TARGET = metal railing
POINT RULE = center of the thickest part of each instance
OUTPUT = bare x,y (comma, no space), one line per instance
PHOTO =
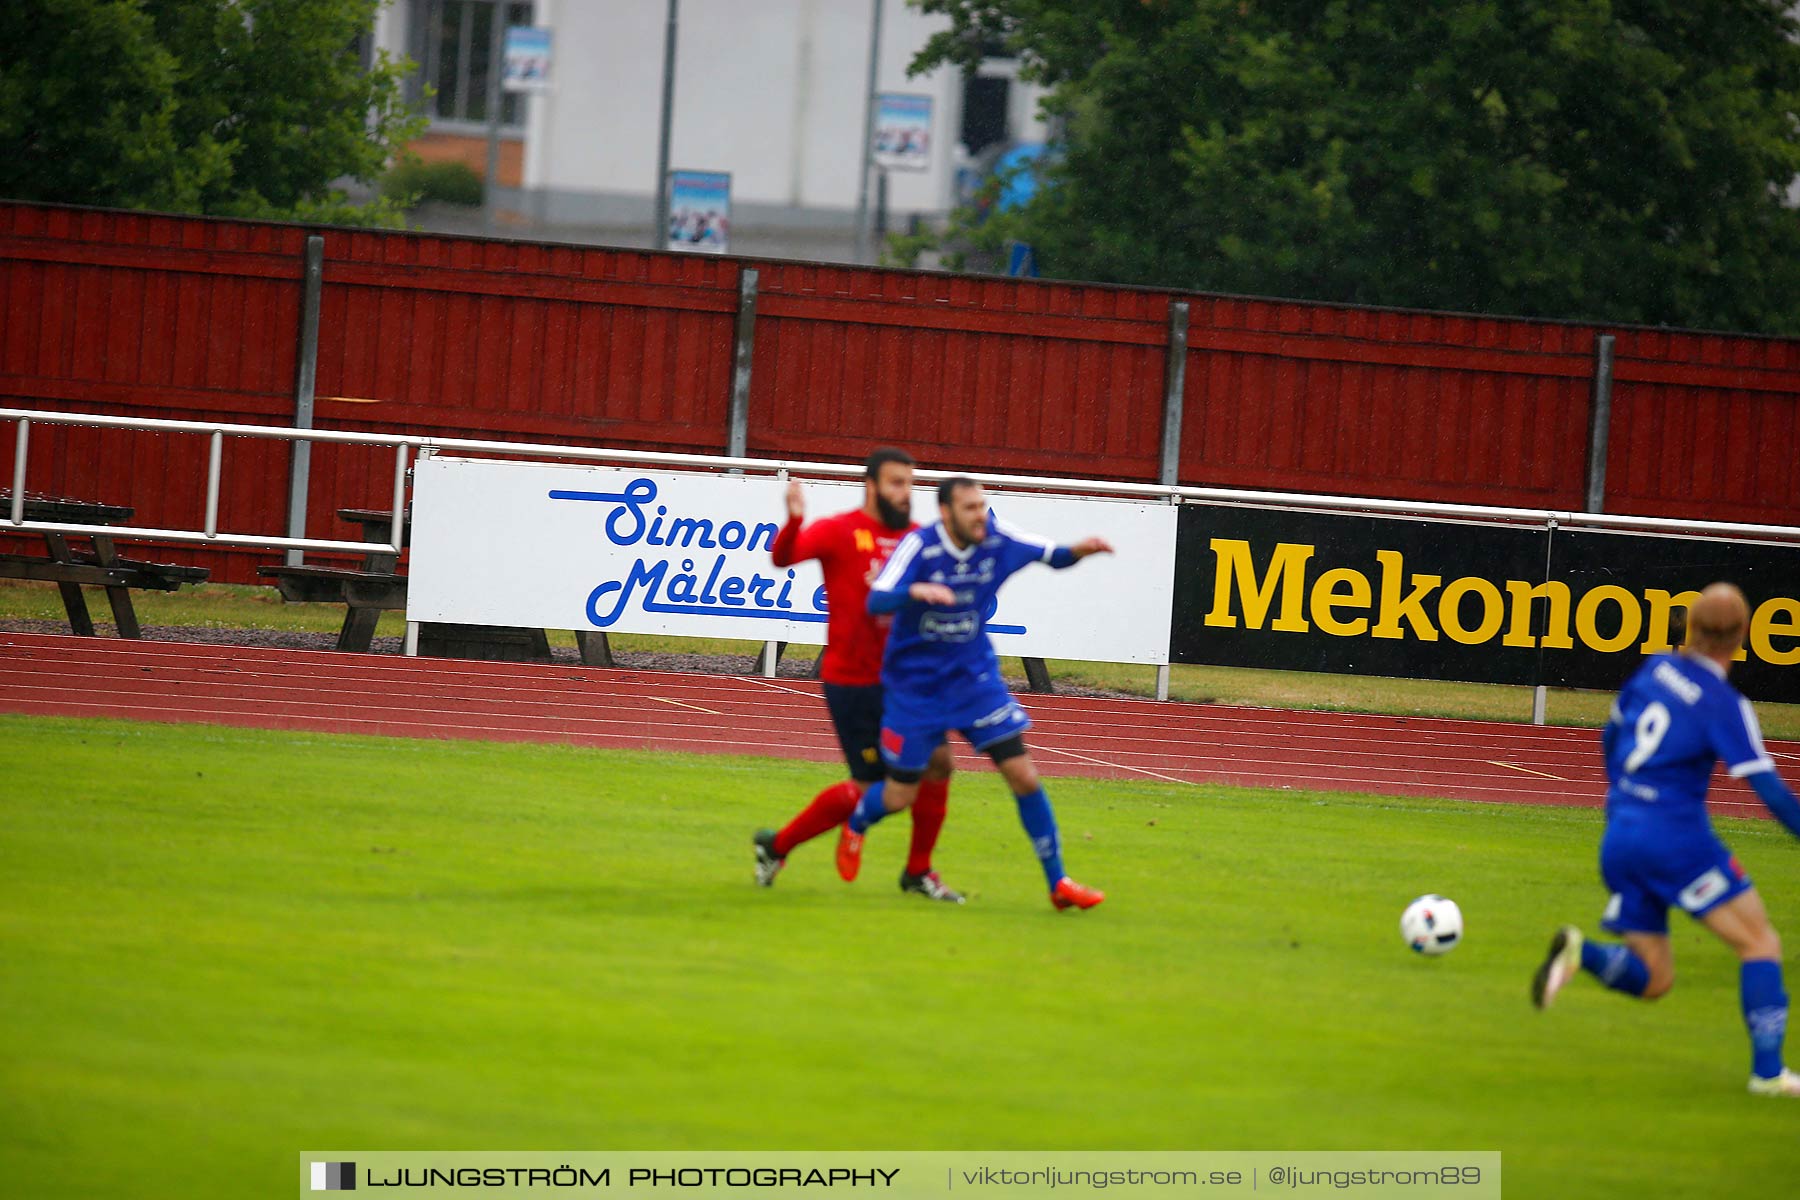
408,445
208,534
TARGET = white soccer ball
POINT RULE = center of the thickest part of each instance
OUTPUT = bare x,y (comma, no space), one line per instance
1432,925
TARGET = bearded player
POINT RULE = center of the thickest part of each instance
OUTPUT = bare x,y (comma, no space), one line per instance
851,548
941,671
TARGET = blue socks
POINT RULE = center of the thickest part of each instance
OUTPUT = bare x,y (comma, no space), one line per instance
1765,1014
869,809
1616,966
1763,997
1034,814
1040,824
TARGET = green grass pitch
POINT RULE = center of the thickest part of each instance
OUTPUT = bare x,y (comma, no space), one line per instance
221,947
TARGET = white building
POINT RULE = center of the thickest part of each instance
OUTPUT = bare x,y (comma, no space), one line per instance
771,91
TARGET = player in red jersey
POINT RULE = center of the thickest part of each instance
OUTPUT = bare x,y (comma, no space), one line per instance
851,547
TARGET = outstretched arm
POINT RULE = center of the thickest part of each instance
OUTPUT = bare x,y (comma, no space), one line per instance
1737,739
1036,548
1079,551
1779,800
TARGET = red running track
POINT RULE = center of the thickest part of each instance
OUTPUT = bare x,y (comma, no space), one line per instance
728,714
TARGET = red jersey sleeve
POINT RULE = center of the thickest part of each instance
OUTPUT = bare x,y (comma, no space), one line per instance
795,543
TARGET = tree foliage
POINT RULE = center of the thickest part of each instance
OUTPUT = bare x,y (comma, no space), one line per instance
1625,160
248,108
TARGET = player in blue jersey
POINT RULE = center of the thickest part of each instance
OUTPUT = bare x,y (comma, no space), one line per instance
1675,718
940,672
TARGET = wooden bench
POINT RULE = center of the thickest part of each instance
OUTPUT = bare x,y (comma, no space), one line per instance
71,568
376,587
365,595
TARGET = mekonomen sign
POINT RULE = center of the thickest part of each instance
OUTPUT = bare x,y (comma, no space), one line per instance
1423,599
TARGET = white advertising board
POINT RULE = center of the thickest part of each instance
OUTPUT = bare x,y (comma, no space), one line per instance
633,551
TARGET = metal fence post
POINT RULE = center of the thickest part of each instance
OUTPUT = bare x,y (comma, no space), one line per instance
743,346
1174,391
1599,423
1037,674
20,453
737,423
1163,669
1540,694
768,660
1174,385
306,371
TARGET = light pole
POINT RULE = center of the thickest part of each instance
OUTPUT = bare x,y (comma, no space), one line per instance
496,35
660,237
868,139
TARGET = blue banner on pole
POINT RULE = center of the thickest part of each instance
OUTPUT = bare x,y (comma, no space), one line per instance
1023,261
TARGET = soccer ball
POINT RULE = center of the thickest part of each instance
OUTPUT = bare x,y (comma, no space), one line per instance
1432,925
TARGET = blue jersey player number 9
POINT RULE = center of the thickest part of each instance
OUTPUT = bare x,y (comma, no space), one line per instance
1652,725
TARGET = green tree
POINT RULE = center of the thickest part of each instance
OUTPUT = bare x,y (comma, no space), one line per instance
248,108
1625,160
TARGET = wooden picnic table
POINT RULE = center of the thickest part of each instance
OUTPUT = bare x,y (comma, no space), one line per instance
378,527
70,567
366,591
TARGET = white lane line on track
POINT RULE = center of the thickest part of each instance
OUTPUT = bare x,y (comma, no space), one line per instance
497,715
780,687
510,677
684,704
366,685
514,696
505,686
1494,762
514,713
1298,741
591,714
78,653
408,726
1101,762
429,723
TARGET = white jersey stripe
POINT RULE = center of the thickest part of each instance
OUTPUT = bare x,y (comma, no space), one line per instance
897,562
1044,544
1753,729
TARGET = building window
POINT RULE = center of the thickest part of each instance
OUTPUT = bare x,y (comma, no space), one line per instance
458,47
986,100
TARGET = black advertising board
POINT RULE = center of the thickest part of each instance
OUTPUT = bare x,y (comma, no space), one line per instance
1421,599
1648,576
1349,594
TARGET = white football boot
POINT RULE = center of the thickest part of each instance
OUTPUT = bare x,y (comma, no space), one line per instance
1560,965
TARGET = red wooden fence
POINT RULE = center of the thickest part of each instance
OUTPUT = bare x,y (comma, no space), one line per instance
183,317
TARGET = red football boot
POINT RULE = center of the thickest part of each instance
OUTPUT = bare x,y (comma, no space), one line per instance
849,853
1069,894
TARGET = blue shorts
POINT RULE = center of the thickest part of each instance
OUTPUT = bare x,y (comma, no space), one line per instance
914,727
1647,871
856,715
